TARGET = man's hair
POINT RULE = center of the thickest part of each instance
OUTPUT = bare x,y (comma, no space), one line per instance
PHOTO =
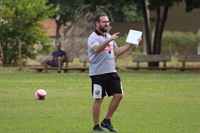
59,43
97,17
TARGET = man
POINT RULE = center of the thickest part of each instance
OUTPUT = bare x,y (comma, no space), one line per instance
58,57
1,53
102,50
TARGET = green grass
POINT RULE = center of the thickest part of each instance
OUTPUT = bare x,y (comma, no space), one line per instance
154,102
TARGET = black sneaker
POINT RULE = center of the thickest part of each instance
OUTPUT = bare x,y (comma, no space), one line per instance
97,128
58,71
109,126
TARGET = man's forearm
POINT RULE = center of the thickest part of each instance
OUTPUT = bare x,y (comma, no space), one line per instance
121,50
102,46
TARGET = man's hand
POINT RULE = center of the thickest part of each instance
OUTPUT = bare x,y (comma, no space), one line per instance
140,39
54,58
114,36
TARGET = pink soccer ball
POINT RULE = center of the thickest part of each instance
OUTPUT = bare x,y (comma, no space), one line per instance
40,94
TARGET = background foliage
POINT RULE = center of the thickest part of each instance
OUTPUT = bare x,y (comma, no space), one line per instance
173,43
21,21
180,42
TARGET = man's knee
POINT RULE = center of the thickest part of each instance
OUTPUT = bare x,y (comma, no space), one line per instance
44,62
59,59
98,100
118,96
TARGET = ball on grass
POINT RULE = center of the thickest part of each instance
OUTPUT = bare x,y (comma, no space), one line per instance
40,94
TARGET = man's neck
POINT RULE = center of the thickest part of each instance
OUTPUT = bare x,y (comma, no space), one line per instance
98,32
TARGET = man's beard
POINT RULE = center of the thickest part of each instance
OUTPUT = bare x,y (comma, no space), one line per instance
102,29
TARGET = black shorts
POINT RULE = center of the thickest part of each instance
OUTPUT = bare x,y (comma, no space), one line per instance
109,83
52,63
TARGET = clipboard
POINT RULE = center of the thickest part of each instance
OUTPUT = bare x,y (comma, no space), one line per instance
133,36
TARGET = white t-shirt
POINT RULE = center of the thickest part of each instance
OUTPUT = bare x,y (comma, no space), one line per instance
103,62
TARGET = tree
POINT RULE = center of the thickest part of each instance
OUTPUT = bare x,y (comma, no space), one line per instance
161,18
69,8
21,28
116,12
66,12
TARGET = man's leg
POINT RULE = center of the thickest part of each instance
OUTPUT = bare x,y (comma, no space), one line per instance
96,108
114,103
44,62
60,61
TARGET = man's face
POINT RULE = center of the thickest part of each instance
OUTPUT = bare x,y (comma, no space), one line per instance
103,24
58,46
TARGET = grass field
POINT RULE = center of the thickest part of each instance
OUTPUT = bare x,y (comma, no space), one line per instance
154,102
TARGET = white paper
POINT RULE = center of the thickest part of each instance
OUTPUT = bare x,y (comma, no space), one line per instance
133,36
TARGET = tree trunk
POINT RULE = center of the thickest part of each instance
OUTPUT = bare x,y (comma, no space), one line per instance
61,19
161,29
156,34
146,25
155,39
58,25
20,52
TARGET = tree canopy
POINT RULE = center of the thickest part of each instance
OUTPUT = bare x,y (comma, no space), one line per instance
21,24
65,13
69,8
